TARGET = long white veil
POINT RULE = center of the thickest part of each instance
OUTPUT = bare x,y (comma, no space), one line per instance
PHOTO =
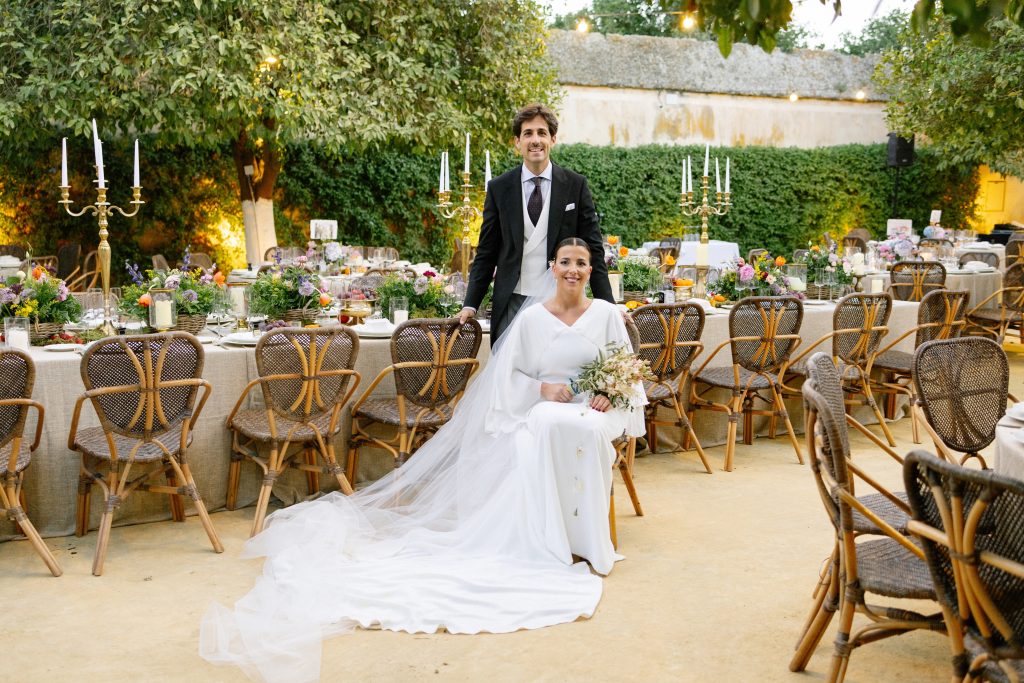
424,547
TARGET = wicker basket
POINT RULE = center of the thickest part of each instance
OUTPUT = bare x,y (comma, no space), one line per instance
299,317
631,295
828,292
193,324
38,331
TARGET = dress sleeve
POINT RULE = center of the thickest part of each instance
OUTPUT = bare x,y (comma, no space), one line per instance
515,387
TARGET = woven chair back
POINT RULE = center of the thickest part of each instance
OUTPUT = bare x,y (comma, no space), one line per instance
369,283
271,253
200,260
667,333
676,242
661,252
987,257
68,257
855,242
961,387
799,255
753,254
979,515
860,323
1014,249
911,280
150,380
773,322
13,250
941,315
935,242
17,378
633,332
862,233
160,262
1013,288
390,254
441,348
311,363
825,408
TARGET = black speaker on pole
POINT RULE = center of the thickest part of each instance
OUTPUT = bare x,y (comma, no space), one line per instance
901,151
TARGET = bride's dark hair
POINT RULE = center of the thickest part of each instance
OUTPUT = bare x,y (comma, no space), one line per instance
573,242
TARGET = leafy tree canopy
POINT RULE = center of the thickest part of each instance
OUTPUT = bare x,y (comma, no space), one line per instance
968,100
879,34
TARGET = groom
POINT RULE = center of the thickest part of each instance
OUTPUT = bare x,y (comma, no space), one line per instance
528,211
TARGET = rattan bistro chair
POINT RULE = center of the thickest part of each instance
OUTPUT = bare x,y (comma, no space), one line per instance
961,386
306,376
859,323
890,567
987,257
1015,249
625,455
670,341
969,524
935,242
89,275
754,254
764,331
911,280
432,361
984,321
144,390
17,377
939,316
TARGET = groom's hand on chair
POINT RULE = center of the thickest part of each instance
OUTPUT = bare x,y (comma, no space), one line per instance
465,314
600,403
559,393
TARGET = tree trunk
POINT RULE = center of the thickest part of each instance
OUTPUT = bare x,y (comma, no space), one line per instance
256,190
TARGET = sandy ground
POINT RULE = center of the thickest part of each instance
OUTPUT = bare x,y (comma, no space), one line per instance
715,587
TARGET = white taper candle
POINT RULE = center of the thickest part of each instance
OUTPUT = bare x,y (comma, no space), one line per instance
440,174
64,162
135,176
466,169
707,157
487,168
727,175
718,177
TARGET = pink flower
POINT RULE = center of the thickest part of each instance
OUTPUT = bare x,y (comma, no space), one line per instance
746,273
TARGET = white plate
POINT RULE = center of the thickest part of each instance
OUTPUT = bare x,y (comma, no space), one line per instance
376,333
817,302
64,347
241,339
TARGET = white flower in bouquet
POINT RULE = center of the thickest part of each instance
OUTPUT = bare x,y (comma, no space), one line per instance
857,259
614,374
333,252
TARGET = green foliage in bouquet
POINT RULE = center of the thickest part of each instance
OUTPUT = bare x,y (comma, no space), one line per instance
614,374
761,277
195,292
280,290
639,273
42,297
428,295
822,259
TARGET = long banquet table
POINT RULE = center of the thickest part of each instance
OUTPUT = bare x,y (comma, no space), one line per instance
52,478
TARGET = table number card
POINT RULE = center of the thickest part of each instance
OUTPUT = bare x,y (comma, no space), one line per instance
321,229
895,227
936,217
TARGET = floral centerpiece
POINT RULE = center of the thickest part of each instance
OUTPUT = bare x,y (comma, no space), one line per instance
640,274
291,293
41,297
894,250
763,276
195,293
826,267
428,294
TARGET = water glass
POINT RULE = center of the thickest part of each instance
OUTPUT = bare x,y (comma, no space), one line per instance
93,304
16,333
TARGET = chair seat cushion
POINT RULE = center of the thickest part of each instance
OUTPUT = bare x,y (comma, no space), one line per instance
252,423
659,391
898,361
887,568
92,442
723,377
24,456
990,670
885,509
385,411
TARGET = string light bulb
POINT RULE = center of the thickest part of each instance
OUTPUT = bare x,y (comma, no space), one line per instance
582,26
861,95
793,97
688,23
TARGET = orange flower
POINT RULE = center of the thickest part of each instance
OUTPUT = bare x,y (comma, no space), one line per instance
38,272
632,304
815,248
623,252
145,300
613,240
219,278
719,298
325,298
780,261
669,260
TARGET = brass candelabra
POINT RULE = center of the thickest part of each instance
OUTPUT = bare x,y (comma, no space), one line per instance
465,211
704,209
102,209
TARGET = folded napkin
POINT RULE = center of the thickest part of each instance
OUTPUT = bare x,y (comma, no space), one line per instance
975,265
420,268
703,303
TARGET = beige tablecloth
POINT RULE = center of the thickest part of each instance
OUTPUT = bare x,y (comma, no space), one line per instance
52,479
979,286
1008,458
998,249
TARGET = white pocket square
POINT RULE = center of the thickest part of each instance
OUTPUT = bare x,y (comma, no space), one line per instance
571,207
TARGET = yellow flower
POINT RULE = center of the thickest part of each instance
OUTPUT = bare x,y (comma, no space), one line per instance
815,248
669,261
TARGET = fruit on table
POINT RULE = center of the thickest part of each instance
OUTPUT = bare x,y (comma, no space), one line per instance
682,282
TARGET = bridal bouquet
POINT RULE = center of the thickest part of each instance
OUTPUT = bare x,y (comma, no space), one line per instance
614,375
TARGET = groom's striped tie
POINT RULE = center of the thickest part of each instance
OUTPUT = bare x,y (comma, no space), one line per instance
536,202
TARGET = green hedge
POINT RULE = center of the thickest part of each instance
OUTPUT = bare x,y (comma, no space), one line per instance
781,197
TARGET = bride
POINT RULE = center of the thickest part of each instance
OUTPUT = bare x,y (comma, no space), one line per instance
477,532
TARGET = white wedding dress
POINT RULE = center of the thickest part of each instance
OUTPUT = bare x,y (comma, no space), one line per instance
474,534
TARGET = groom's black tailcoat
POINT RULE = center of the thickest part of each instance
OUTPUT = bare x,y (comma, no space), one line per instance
499,253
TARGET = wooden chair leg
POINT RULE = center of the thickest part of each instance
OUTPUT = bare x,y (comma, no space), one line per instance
748,420
652,438
869,397
339,474
914,427
312,478
611,520
781,407
234,478
19,516
627,479
689,435
351,466
841,654
735,406
263,500
686,426
825,605
177,505
82,509
197,502
111,502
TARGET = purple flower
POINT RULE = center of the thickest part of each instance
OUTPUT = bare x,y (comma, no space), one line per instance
746,273
206,279
172,282
278,255
188,258
134,272
190,296
7,295
420,285
306,287
62,291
